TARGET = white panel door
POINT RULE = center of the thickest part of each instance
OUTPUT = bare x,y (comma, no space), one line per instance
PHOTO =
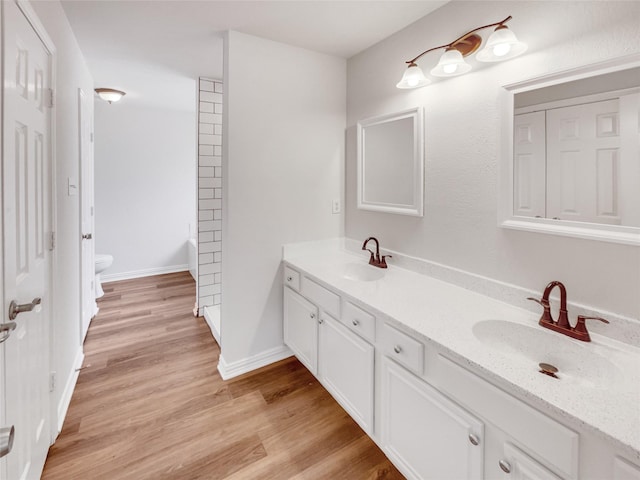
345,367
89,307
301,329
529,164
425,434
583,162
26,194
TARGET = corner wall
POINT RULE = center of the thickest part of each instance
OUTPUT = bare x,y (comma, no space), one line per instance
463,144
283,163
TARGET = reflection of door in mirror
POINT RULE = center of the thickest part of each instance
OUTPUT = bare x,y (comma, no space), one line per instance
578,160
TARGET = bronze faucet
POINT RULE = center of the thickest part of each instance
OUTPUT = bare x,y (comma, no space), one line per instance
376,260
562,325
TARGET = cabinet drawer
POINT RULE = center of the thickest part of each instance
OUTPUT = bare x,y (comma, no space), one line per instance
323,298
361,322
292,278
550,442
402,348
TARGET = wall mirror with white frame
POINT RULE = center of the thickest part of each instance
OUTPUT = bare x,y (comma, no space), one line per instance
390,165
571,153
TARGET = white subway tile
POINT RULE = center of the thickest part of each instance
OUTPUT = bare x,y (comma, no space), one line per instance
205,215
205,193
217,193
205,237
206,128
208,117
207,301
217,278
206,226
217,257
206,85
217,87
208,96
206,149
206,182
208,247
206,160
217,299
206,279
217,98
205,204
217,129
217,235
217,172
206,269
205,258
215,139
207,107
217,108
209,139
216,247
217,150
206,172
217,214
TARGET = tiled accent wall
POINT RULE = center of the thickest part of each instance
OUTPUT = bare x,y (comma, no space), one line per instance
209,193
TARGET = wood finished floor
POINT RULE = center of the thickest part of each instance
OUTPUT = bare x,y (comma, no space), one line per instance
150,404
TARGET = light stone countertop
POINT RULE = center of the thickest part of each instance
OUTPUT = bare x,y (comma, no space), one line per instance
607,404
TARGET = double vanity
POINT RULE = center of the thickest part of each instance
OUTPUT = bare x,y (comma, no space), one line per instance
448,381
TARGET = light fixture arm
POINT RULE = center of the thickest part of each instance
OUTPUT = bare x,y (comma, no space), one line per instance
459,39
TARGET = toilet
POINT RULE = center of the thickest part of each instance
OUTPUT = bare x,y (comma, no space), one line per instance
102,263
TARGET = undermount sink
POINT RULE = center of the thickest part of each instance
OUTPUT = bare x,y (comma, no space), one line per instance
363,272
528,346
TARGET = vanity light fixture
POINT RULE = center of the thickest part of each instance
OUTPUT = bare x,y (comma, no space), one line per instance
501,45
109,94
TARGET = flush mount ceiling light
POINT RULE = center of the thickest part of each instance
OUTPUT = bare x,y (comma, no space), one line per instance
501,45
109,94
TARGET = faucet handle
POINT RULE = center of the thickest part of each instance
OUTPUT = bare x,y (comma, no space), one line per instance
581,329
546,314
383,262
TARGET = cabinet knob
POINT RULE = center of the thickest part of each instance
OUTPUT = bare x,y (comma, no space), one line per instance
473,439
397,349
312,315
320,321
505,466
355,323
289,278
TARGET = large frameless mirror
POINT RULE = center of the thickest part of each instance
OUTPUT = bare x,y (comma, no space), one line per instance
573,153
390,163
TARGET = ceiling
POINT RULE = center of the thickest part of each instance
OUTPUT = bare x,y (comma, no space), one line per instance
154,50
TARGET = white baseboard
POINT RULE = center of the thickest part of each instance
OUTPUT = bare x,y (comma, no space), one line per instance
212,317
69,387
147,272
230,370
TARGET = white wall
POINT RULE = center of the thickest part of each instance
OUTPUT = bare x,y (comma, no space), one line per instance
283,163
462,124
71,74
145,186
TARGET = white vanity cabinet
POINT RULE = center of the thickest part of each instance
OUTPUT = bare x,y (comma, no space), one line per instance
301,329
342,360
433,413
346,369
426,435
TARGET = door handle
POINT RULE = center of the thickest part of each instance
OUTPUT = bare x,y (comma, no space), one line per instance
87,236
5,331
6,440
15,309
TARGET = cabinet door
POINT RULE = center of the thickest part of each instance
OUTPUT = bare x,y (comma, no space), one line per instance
517,465
301,328
345,367
426,435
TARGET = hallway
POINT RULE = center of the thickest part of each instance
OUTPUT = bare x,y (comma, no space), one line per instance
150,404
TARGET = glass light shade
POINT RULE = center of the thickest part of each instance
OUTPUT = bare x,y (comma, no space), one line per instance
413,78
451,64
501,45
109,94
